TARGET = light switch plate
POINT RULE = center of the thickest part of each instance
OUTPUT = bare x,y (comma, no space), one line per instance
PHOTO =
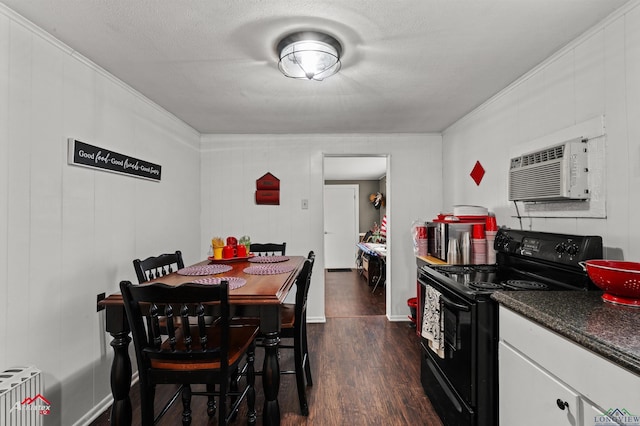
305,204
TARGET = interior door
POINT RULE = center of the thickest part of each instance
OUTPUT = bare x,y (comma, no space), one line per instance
340,225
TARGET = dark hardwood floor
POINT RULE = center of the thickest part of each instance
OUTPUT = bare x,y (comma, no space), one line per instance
366,370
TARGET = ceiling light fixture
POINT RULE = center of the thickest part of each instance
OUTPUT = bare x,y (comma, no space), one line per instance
309,55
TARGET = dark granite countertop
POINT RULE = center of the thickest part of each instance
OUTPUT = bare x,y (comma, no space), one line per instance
609,330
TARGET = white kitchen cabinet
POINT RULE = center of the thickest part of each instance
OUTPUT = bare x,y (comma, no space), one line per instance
540,370
530,395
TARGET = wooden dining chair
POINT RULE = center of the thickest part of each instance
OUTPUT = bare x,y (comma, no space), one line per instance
157,266
293,320
268,249
194,352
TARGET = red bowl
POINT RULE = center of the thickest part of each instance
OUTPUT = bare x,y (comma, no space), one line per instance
619,280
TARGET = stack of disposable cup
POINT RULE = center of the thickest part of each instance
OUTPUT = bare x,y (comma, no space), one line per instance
465,248
491,231
421,239
478,245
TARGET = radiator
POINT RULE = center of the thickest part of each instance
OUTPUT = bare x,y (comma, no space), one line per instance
21,400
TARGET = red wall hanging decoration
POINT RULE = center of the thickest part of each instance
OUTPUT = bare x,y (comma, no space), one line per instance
268,190
477,173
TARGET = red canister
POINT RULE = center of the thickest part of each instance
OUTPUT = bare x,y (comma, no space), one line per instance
478,232
227,252
479,245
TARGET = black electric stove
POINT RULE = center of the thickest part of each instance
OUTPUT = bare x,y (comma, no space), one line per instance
461,379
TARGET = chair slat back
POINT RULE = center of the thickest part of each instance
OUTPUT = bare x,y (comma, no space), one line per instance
157,266
184,307
268,249
303,282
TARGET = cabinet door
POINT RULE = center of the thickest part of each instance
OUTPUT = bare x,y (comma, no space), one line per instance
593,415
529,395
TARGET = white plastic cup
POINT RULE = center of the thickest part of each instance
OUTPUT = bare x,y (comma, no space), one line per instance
453,252
491,253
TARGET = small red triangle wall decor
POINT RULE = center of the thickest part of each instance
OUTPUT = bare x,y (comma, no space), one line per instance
477,173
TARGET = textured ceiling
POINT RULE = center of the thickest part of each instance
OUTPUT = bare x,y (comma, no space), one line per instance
408,65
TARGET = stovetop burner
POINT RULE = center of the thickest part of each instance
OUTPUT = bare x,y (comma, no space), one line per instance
481,285
487,278
525,285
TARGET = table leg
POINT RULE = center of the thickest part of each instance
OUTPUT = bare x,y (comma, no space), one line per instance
271,379
118,327
270,328
121,380
382,274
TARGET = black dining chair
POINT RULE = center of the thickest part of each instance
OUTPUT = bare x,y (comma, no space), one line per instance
293,320
268,249
157,266
193,352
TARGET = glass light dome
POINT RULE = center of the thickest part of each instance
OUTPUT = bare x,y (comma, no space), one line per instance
309,55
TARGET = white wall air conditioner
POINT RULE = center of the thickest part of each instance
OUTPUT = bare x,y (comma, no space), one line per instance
556,173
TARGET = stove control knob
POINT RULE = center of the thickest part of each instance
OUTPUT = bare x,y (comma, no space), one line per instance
502,242
561,248
573,249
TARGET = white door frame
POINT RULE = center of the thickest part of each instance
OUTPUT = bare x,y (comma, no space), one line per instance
388,196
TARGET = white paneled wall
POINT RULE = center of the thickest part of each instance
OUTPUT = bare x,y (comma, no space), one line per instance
69,233
231,165
595,75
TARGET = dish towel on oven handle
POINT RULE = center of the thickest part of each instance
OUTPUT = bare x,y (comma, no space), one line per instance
433,321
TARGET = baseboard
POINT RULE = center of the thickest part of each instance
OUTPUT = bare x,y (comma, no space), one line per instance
399,318
101,407
316,320
95,412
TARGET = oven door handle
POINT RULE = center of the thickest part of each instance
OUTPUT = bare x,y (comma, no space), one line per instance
454,305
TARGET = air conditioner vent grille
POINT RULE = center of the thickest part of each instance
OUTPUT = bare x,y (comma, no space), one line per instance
543,156
540,183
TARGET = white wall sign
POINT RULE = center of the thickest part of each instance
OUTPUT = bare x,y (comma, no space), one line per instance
85,155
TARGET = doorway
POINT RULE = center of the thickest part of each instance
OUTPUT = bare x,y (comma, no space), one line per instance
369,174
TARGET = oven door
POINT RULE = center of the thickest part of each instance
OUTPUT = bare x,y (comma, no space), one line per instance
451,408
449,381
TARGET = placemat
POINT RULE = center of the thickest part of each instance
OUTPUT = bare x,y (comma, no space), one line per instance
268,259
269,269
234,282
204,269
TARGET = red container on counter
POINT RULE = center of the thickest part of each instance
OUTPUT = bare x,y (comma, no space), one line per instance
478,245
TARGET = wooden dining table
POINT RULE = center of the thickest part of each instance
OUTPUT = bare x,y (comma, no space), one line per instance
261,296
